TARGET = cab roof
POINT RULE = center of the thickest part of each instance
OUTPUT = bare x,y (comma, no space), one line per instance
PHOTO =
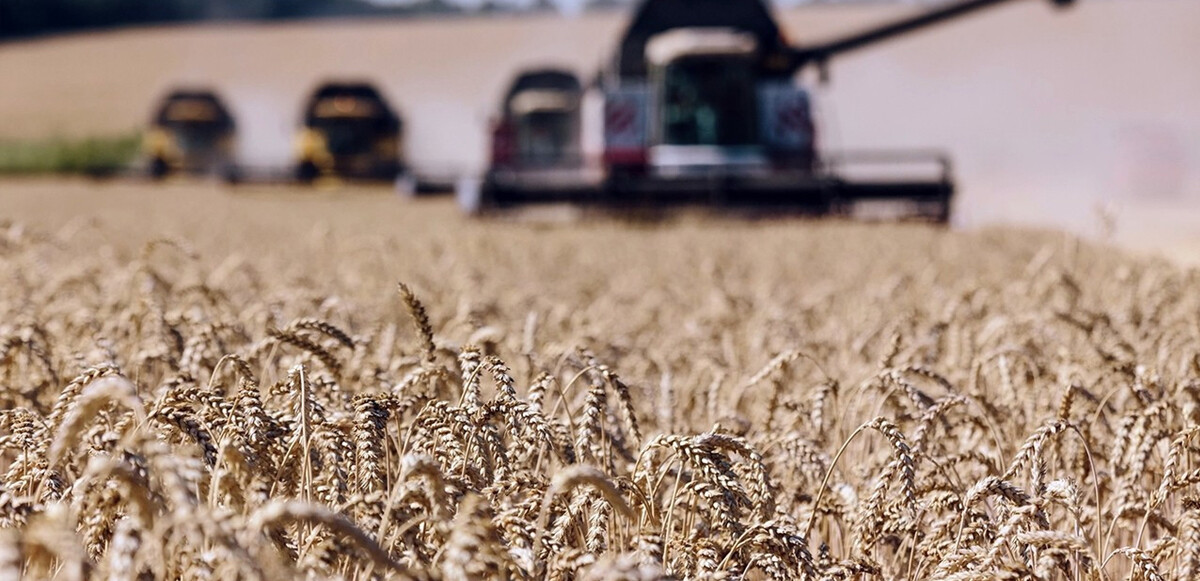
547,79
197,98
372,101
654,17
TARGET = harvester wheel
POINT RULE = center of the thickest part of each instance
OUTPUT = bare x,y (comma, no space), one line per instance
159,168
231,174
307,172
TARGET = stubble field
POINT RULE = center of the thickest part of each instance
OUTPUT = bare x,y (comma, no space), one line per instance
197,384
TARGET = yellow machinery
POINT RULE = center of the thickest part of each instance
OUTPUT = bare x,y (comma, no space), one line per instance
348,130
192,132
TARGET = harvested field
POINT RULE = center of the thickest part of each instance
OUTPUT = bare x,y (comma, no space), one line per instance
202,385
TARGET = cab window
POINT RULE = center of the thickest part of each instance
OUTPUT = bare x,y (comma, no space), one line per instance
709,101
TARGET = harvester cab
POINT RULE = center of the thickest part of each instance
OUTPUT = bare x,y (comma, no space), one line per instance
348,130
192,132
700,105
535,145
538,127
711,111
703,82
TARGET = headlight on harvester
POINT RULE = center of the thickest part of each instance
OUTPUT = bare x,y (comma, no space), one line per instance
160,144
312,146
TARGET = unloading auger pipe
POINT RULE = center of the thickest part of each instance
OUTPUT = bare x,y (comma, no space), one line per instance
820,54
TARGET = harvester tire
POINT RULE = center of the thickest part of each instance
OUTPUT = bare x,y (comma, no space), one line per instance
307,172
159,168
231,175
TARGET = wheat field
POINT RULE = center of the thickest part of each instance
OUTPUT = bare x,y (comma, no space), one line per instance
275,385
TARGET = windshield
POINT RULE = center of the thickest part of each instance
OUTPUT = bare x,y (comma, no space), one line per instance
347,107
202,116
198,138
349,136
709,101
194,110
544,137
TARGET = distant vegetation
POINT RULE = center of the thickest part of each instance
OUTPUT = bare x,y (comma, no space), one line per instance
91,156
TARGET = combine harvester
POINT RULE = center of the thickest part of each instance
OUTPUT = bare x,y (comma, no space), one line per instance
348,131
700,106
191,132
536,139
